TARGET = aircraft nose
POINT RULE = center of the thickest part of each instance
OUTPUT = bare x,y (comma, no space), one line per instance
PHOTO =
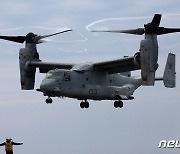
48,85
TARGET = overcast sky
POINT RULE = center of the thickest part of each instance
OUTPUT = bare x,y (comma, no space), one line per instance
63,127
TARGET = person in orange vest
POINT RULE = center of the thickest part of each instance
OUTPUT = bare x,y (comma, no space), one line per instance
9,145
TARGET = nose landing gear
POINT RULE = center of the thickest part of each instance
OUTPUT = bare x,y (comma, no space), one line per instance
49,100
118,104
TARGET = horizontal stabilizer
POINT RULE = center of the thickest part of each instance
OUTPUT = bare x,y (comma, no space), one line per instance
169,77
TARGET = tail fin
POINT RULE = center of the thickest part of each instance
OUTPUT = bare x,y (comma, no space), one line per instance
169,77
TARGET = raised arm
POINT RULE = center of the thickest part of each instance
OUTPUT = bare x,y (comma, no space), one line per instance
14,143
2,144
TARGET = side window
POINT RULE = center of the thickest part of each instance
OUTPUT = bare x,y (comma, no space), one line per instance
67,77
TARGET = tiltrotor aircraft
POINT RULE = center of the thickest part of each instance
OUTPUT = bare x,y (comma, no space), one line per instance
108,80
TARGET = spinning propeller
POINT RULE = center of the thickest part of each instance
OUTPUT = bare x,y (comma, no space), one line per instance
30,37
150,28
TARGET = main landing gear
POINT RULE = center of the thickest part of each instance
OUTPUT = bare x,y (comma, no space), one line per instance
49,100
118,104
84,104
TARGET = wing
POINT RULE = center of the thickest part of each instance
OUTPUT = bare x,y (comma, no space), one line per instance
118,66
44,67
115,66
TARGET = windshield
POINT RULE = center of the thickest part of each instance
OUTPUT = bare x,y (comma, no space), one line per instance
54,74
49,74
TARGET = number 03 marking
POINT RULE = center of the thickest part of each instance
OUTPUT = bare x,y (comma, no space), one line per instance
93,91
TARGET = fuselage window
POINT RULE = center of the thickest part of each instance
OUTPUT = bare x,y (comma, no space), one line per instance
67,78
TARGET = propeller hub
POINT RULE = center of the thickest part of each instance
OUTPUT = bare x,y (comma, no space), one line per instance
30,38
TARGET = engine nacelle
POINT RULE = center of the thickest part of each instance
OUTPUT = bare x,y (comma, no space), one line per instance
27,74
148,56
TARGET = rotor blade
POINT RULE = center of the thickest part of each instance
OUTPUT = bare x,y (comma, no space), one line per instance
18,39
138,31
156,20
44,36
41,41
162,30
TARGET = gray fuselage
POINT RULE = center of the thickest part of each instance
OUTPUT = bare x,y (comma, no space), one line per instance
89,84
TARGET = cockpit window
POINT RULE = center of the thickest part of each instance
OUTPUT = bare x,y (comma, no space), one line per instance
57,74
49,74
67,76
54,74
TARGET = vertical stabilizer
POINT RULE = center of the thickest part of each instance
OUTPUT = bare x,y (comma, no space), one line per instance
169,77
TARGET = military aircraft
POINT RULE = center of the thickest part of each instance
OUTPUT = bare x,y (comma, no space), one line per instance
108,80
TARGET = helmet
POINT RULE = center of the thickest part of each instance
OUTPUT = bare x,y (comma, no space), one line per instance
8,139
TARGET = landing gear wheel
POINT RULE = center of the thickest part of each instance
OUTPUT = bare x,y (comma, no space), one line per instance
118,104
84,104
49,100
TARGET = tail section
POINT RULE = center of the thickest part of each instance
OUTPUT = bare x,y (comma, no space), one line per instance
169,77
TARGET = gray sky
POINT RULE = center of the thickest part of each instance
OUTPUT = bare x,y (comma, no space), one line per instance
63,127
